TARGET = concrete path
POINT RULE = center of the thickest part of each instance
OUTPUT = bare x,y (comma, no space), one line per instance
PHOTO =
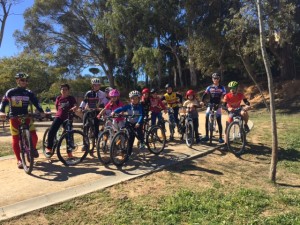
51,182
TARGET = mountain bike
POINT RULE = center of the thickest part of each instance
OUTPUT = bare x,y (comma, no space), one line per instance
212,120
68,141
89,128
235,134
105,139
25,142
155,141
170,123
186,127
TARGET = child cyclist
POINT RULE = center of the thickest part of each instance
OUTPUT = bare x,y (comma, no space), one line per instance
64,103
134,108
172,99
113,104
156,106
191,105
146,101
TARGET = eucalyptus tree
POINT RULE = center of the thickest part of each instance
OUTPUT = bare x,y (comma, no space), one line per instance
67,29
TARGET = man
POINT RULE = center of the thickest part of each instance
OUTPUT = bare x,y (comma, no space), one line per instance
18,100
215,93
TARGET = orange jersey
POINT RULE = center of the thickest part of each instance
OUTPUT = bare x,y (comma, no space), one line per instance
234,101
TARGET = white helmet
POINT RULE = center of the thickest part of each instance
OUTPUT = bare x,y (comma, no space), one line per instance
134,93
95,81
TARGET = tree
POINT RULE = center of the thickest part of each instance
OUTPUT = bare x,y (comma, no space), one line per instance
274,158
5,7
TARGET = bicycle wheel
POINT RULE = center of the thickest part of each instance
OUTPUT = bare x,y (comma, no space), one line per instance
170,129
45,143
89,131
156,140
236,138
27,151
103,147
189,133
210,129
119,148
73,149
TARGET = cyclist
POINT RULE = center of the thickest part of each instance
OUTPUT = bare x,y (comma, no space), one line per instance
107,90
63,104
172,99
134,108
156,106
146,101
215,92
192,103
18,99
94,99
232,101
113,104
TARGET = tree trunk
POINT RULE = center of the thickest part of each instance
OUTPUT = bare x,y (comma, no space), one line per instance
247,64
274,157
193,75
175,76
159,66
5,9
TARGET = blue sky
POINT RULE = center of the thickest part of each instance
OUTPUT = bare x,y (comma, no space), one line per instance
14,21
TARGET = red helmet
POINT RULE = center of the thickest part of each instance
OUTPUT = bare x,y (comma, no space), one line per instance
145,90
189,92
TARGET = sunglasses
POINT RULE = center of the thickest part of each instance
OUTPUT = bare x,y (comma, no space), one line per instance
24,80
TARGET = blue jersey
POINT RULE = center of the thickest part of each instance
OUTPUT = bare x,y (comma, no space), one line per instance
132,110
215,93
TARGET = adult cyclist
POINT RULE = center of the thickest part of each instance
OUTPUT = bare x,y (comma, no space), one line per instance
18,99
94,99
215,93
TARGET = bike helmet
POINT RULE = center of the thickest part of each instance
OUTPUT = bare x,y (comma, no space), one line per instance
153,91
189,92
216,75
233,84
168,85
95,81
108,89
134,93
114,93
145,90
22,75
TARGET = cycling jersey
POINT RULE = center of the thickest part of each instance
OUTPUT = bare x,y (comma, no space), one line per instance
234,100
18,100
191,104
172,99
132,110
63,105
94,99
215,93
111,106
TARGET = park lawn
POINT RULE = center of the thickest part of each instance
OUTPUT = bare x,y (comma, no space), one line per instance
216,189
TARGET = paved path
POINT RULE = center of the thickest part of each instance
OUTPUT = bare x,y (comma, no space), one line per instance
51,182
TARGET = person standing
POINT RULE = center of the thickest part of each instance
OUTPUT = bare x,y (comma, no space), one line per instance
215,93
18,100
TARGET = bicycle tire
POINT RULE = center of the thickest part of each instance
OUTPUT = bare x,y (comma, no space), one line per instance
119,148
27,151
236,138
103,147
156,139
210,129
89,131
189,133
45,143
169,129
80,148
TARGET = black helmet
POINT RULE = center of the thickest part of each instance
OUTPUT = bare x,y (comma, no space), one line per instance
22,75
216,75
168,85
153,91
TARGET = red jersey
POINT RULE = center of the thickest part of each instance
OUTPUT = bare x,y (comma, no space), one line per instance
234,101
156,105
63,105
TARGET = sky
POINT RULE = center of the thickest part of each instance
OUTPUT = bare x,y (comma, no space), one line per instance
14,21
